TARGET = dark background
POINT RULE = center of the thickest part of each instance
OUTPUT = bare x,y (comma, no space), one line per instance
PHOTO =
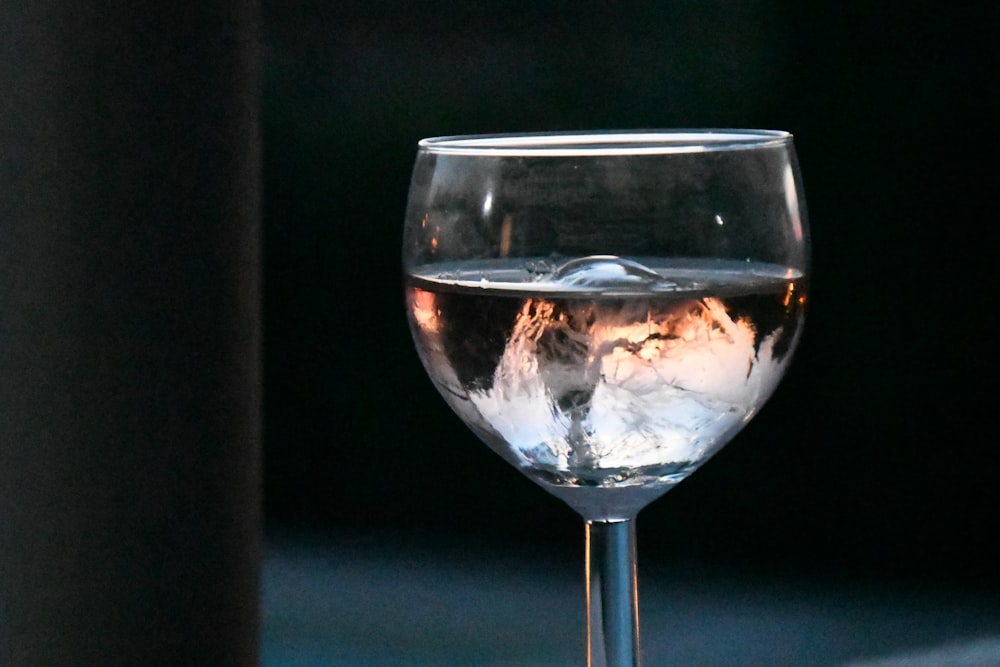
876,456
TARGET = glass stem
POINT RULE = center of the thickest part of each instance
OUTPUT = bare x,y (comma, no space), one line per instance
612,600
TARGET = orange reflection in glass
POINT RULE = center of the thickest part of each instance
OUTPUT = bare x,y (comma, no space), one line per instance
425,311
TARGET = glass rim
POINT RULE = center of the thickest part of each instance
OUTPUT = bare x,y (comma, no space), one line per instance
603,142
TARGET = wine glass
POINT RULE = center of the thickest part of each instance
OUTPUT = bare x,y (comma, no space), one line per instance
606,310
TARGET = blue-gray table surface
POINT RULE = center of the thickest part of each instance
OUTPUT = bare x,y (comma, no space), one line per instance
371,605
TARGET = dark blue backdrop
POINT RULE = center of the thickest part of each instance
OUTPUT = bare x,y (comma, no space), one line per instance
876,454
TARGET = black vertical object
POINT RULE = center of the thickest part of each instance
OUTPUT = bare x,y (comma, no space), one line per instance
129,439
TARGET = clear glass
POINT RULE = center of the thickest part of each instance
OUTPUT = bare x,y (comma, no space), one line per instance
606,310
